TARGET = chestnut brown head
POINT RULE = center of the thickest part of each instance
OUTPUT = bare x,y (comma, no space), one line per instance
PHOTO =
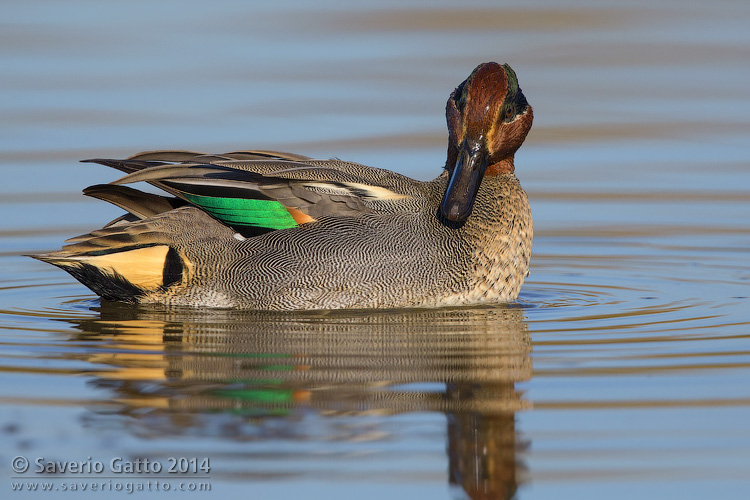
488,119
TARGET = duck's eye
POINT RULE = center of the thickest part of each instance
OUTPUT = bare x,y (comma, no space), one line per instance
508,113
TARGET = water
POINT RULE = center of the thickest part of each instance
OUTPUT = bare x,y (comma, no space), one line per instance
623,370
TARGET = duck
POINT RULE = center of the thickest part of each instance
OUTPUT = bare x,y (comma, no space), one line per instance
269,230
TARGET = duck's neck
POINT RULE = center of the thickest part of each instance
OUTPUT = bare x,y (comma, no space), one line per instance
502,167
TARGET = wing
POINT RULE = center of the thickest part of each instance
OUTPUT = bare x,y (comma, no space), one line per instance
257,191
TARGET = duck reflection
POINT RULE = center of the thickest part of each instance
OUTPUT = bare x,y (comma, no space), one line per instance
183,365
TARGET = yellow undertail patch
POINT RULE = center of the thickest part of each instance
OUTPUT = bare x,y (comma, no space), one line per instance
143,267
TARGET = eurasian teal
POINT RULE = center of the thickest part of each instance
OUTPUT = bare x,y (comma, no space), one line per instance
279,231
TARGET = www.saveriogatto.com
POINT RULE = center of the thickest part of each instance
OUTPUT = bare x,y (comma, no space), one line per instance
188,474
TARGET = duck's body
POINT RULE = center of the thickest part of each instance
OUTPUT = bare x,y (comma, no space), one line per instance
277,231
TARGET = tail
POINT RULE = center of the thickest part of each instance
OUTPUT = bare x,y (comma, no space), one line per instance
121,274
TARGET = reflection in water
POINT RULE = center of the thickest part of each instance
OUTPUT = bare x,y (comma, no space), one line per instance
482,443
182,368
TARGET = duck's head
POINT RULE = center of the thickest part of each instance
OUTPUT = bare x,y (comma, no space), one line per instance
488,119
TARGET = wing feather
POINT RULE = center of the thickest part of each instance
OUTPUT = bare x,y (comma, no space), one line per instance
138,203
